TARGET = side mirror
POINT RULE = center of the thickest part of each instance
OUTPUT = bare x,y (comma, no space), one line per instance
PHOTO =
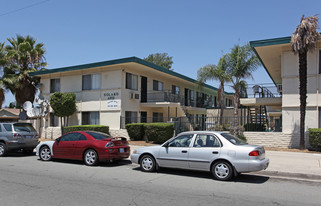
166,144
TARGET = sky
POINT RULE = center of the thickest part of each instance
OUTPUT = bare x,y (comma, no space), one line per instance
194,32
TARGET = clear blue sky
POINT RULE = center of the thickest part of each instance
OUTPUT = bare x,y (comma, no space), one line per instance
194,32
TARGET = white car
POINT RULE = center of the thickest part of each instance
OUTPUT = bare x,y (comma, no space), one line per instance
218,152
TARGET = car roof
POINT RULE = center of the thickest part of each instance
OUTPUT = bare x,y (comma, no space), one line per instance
203,132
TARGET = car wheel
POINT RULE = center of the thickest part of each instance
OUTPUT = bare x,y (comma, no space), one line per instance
147,163
222,170
91,157
44,153
3,149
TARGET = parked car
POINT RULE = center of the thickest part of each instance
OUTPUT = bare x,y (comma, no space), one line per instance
220,153
91,147
17,136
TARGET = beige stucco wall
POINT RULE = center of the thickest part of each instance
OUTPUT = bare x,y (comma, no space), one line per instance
290,90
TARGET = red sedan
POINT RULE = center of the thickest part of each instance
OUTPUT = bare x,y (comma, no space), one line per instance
91,147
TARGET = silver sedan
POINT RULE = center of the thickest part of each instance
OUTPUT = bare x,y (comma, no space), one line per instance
220,153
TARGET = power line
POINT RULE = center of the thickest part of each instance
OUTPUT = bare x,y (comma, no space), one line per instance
31,5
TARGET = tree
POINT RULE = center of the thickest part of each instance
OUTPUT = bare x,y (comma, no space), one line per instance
216,72
241,63
161,59
63,105
2,65
23,55
304,39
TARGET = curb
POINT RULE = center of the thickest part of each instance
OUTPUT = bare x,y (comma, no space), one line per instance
290,175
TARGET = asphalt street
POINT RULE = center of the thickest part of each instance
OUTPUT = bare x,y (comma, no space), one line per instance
26,180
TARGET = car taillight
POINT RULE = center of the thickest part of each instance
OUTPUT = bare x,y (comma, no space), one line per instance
254,153
17,136
110,144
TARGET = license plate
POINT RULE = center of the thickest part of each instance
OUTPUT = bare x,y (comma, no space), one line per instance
121,150
28,137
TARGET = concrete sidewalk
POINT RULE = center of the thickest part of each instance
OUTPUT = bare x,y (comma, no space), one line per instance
300,165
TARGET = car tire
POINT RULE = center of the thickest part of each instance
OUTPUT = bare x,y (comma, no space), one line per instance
222,170
3,149
45,153
147,163
91,157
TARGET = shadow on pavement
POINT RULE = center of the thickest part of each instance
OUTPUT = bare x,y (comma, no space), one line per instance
19,154
101,164
242,178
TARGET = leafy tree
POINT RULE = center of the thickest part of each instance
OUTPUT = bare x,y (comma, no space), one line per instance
161,59
304,39
241,63
63,105
216,72
22,56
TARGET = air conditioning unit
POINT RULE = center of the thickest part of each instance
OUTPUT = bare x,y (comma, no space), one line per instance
279,88
131,96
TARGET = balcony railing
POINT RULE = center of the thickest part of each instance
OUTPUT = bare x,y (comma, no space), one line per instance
261,91
168,96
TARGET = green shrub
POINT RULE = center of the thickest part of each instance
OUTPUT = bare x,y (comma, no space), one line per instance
98,128
242,137
135,131
159,132
315,138
254,127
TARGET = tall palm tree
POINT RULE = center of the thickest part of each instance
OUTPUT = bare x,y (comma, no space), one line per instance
241,63
213,72
2,65
303,40
23,55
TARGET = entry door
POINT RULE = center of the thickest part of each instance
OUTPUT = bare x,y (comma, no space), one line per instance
143,117
143,92
176,153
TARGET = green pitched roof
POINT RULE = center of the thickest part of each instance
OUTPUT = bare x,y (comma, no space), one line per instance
269,42
119,61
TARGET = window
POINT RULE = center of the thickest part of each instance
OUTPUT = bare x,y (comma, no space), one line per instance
157,86
8,127
181,141
319,117
204,140
157,117
73,137
232,139
23,127
54,120
175,89
131,81
91,118
90,81
54,85
130,117
99,136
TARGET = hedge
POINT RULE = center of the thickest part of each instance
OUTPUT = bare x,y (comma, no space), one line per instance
315,138
159,132
135,131
98,128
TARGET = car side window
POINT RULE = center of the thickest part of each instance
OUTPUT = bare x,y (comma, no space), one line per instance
181,141
203,140
80,137
8,127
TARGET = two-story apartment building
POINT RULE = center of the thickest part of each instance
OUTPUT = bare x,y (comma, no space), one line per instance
128,90
283,66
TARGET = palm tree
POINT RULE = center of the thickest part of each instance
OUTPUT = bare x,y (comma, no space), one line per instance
23,55
2,65
213,72
303,40
241,63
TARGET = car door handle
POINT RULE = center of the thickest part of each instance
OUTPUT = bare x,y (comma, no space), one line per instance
215,152
184,151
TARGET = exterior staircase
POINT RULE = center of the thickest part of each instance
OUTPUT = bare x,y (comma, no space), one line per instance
258,115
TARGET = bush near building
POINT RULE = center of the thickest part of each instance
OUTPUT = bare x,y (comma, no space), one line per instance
97,128
315,138
135,131
156,132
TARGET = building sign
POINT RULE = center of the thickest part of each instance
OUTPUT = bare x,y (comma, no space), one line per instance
113,104
112,95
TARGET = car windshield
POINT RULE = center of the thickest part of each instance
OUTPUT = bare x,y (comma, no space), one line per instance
232,139
99,135
23,128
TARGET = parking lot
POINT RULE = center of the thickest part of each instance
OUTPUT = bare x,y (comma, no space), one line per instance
26,180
